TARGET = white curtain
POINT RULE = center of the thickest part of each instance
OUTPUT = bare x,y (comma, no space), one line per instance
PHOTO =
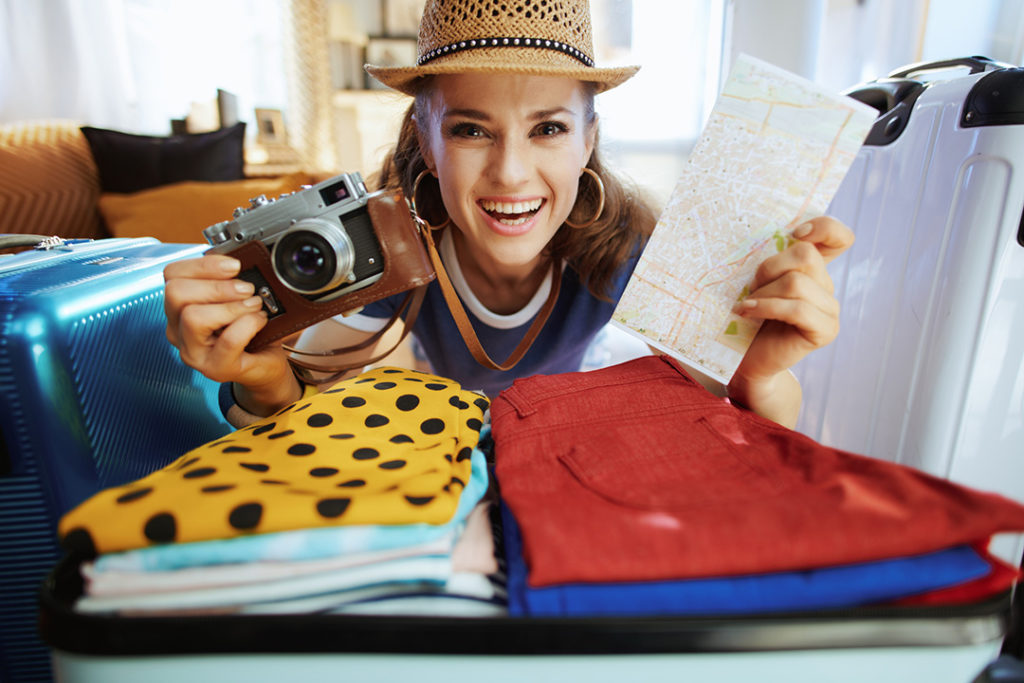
65,59
135,64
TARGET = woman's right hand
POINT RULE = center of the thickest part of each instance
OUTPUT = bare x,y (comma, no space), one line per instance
211,317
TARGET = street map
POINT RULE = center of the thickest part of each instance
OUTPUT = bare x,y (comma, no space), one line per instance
772,154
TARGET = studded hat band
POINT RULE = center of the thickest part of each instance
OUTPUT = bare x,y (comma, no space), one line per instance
542,43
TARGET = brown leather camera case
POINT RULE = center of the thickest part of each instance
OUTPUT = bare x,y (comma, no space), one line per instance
406,266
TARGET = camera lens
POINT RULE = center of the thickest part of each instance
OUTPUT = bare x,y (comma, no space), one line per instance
313,256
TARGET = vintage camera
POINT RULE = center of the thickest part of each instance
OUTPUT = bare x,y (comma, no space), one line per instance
321,240
324,250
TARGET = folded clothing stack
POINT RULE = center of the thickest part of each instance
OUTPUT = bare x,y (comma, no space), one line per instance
632,490
367,498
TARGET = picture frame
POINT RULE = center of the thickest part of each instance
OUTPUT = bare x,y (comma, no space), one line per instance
270,127
388,51
402,17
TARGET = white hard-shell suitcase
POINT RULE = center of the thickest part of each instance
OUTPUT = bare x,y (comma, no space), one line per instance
928,368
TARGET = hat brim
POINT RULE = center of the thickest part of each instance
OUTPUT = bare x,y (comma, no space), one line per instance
404,78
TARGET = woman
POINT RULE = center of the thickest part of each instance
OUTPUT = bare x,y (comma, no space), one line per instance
499,153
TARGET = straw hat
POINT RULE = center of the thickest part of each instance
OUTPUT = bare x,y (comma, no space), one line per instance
535,37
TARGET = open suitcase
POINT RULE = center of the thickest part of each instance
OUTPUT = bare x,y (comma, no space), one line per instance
91,396
871,643
929,365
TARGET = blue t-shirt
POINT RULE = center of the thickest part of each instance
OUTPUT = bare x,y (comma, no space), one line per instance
577,317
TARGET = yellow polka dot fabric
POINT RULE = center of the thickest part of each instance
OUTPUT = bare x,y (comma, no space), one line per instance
390,446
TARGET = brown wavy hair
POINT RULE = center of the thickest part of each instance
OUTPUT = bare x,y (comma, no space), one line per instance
594,252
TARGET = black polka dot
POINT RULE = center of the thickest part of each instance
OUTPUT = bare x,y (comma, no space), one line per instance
457,402
392,371
400,438
199,472
465,454
218,443
161,528
474,424
237,449
79,541
353,401
365,380
254,466
384,385
376,420
246,516
323,472
337,390
303,407
432,426
392,465
263,429
419,500
332,507
365,453
434,386
407,402
285,409
187,463
448,457
456,480
319,420
301,449
343,436
217,488
272,481
482,403
352,483
278,435
412,379
134,495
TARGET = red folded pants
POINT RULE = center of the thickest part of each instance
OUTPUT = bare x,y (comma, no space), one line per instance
636,472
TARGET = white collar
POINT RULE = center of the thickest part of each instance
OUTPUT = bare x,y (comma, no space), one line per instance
502,322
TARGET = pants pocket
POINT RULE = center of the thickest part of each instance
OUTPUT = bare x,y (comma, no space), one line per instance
644,465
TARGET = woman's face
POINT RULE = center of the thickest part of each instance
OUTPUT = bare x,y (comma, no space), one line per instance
508,151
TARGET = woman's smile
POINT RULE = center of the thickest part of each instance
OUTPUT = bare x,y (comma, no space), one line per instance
511,217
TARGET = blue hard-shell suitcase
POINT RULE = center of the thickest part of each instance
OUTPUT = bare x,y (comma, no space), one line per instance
87,385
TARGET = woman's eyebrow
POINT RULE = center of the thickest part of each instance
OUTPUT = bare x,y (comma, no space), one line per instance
467,114
478,115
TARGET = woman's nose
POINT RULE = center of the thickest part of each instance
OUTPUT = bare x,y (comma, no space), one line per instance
510,165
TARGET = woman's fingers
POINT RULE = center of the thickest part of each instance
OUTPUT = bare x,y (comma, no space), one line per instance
830,236
801,257
798,300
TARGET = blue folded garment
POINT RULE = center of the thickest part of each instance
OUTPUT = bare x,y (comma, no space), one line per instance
829,587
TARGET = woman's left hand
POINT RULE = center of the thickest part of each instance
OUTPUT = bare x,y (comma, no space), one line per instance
792,293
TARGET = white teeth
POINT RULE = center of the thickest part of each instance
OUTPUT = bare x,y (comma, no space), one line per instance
510,207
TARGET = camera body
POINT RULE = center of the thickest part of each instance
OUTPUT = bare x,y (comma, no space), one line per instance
323,250
321,238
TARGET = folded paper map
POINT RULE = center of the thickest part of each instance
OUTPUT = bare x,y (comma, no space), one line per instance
771,156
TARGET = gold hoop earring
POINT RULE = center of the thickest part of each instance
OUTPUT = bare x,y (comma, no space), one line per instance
412,203
600,202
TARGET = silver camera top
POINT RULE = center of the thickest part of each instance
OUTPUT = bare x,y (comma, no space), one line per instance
264,217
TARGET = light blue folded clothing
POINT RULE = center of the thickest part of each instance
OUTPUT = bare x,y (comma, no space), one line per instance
304,544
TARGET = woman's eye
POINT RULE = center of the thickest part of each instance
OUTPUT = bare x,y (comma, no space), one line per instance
466,130
551,128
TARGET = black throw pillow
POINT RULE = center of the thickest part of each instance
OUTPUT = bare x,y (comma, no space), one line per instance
130,163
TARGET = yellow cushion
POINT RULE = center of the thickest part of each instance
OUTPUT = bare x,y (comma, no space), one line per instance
179,212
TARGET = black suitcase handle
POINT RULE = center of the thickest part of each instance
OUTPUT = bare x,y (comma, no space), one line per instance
976,63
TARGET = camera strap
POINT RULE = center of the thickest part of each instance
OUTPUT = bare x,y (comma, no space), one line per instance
304,370
466,327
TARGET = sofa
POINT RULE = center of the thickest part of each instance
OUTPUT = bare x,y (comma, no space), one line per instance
56,181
